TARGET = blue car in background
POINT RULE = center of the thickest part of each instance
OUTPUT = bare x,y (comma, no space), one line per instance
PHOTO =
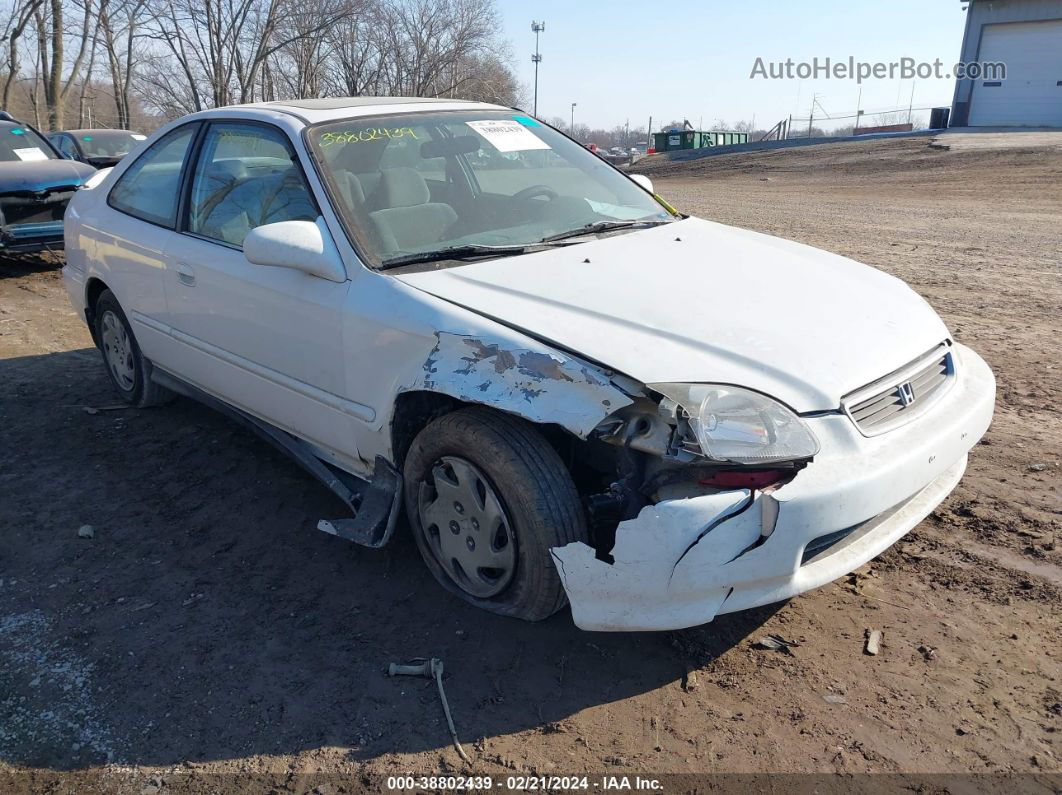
36,183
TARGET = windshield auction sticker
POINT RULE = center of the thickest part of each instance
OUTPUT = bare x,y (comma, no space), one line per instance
508,136
30,153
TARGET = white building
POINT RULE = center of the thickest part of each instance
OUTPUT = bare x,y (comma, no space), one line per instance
1026,35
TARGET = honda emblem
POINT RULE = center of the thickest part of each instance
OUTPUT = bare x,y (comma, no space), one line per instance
906,393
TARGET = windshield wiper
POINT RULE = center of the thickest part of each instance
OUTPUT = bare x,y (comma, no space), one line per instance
469,251
600,226
478,250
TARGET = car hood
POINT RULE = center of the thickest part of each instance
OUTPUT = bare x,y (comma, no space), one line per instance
36,176
696,301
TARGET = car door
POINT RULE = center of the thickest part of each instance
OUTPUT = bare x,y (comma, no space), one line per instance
267,340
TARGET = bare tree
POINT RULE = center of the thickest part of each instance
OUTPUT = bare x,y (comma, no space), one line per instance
179,56
487,79
221,47
86,84
49,21
298,64
356,45
120,25
21,15
430,42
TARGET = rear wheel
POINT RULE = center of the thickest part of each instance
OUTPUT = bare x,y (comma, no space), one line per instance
129,371
487,497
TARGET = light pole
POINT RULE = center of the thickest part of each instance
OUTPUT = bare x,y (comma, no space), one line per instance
536,59
572,131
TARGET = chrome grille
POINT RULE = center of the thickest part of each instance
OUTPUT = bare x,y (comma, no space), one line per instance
903,395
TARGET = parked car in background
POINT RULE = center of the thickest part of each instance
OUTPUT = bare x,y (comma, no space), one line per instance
571,390
35,186
99,148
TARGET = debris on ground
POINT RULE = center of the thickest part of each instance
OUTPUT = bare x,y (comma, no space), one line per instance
873,644
834,698
689,681
97,409
776,643
86,531
928,652
431,669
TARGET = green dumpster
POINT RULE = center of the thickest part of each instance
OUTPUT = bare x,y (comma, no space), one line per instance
674,140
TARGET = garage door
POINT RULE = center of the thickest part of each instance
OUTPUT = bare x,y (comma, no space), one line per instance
1031,96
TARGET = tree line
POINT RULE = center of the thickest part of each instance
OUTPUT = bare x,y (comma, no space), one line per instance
132,64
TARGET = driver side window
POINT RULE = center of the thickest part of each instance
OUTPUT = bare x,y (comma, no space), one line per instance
245,177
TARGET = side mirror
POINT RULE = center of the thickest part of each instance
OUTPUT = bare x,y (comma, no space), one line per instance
301,245
643,181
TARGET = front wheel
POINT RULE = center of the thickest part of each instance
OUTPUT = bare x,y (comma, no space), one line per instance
487,497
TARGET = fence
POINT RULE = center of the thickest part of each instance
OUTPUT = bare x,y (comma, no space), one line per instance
851,123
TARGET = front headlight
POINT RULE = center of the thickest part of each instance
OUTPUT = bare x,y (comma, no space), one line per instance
738,426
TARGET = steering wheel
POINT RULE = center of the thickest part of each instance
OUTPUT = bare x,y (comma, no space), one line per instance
535,191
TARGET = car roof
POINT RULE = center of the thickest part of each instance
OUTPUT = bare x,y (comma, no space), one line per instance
335,103
326,109
91,132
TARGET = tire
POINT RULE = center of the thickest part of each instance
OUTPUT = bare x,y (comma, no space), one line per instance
129,371
501,462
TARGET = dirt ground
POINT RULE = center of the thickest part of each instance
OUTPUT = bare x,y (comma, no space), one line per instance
208,637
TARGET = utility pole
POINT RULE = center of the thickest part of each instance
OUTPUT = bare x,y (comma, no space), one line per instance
536,59
859,111
572,130
910,108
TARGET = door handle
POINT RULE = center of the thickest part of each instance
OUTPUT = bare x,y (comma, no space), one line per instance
185,274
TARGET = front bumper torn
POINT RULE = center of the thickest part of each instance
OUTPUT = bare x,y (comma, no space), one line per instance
867,493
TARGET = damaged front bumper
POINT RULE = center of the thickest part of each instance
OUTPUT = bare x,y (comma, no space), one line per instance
31,238
680,563
32,221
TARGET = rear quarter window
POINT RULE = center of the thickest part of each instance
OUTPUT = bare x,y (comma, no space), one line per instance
150,188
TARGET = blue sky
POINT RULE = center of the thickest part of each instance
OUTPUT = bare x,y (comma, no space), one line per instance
692,59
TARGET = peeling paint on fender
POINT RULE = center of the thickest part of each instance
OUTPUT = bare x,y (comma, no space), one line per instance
543,386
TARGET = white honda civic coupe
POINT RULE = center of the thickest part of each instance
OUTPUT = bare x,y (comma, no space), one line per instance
574,392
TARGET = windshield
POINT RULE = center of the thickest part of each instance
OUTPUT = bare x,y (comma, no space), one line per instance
409,184
21,143
107,143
